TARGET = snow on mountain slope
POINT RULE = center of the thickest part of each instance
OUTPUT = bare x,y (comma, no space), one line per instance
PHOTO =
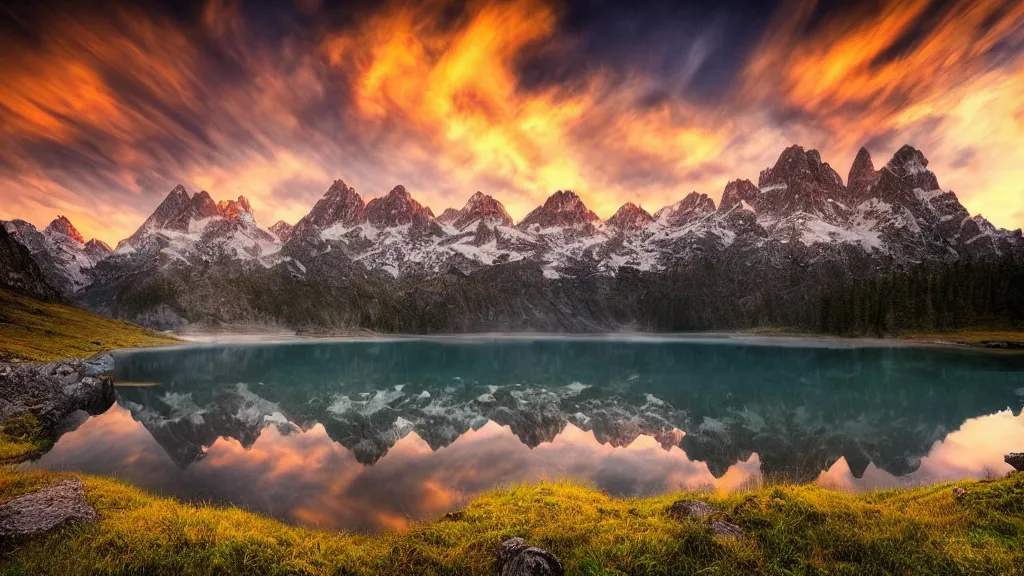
799,209
62,253
188,228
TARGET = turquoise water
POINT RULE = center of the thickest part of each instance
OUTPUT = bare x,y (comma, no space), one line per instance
373,434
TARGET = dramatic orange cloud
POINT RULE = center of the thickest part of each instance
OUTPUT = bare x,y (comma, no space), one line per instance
101,114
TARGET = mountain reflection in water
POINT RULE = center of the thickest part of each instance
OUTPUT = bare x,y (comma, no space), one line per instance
370,435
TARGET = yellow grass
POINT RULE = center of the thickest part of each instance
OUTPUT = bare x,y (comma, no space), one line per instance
788,530
31,330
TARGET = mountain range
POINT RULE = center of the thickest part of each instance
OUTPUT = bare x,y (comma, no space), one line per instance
778,252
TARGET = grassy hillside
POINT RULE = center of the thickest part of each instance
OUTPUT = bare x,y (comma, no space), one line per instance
31,330
788,530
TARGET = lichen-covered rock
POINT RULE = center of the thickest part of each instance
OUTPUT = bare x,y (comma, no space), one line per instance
702,512
724,529
695,509
51,391
45,510
1015,459
517,558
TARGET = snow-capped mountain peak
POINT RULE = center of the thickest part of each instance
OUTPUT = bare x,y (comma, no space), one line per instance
97,249
282,230
185,228
340,206
562,209
688,209
739,191
236,210
481,208
800,182
629,217
448,216
397,208
61,252
61,225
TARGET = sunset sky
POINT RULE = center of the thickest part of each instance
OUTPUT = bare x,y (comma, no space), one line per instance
103,110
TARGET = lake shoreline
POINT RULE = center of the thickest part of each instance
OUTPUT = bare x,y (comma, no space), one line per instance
967,527
991,341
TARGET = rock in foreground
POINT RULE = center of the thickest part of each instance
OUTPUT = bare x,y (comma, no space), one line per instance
45,510
51,391
517,558
702,512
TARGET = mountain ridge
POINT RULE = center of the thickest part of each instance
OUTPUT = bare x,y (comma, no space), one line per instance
800,217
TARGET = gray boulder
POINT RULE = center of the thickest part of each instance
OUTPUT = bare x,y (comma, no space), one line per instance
517,558
682,509
702,512
1015,459
52,391
724,529
45,510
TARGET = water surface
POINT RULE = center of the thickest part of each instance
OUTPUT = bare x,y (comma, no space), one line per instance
370,435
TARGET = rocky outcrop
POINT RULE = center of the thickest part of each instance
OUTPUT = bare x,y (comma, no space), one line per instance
19,271
703,513
54,390
695,509
517,558
1015,459
45,510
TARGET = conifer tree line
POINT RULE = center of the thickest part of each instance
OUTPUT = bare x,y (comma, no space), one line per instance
855,300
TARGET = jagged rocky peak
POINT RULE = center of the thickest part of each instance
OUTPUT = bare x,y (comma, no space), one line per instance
688,209
397,208
178,209
61,225
909,164
448,216
796,164
239,209
629,217
203,205
97,249
561,209
282,230
863,176
739,192
481,208
863,168
339,205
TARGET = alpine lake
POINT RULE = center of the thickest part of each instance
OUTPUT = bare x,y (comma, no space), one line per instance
374,434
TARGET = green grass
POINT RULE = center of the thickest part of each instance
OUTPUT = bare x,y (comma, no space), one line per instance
22,438
31,330
789,530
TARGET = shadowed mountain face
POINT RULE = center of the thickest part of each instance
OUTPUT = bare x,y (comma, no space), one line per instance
799,409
